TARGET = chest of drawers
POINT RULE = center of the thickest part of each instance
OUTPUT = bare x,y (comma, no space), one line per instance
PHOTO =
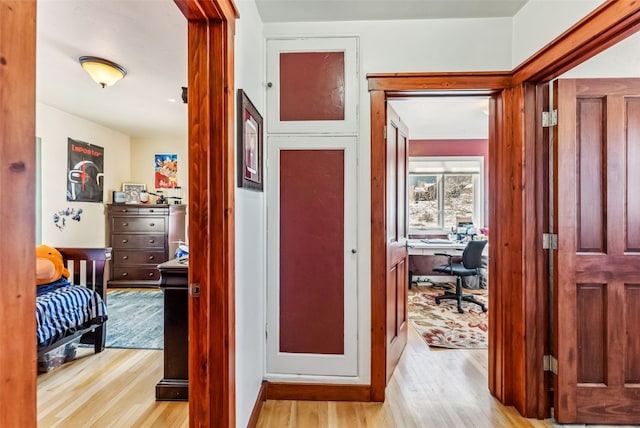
142,237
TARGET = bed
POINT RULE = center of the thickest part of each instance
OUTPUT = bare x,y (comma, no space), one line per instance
74,308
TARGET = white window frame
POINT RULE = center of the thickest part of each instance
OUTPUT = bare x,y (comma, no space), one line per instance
475,163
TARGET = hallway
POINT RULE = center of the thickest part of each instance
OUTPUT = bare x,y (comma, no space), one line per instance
429,388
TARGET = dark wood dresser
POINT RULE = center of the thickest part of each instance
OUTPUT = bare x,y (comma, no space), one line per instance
142,236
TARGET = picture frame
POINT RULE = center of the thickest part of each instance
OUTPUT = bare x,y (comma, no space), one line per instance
250,144
132,192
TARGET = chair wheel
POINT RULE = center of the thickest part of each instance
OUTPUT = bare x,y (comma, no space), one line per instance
437,301
460,309
484,308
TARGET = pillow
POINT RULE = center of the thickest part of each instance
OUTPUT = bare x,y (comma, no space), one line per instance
49,265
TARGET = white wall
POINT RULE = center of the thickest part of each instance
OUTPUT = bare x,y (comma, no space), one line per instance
250,228
541,21
418,46
54,126
620,60
401,46
143,153
408,45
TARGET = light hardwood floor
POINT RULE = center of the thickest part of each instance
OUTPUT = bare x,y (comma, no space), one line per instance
430,388
115,388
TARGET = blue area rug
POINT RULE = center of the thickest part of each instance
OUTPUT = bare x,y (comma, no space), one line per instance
136,319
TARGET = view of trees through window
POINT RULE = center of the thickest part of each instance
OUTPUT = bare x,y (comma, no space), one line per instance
436,200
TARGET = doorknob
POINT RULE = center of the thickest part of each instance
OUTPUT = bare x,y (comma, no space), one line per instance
353,250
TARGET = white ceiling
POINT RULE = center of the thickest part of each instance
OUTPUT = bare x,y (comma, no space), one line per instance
443,118
355,10
149,39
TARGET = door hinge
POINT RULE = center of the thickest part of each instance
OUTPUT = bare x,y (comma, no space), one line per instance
549,241
549,118
194,290
385,131
550,364
266,331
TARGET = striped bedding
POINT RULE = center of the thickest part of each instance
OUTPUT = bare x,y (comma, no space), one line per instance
63,308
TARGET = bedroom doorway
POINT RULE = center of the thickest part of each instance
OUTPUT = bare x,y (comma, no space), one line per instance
436,86
447,184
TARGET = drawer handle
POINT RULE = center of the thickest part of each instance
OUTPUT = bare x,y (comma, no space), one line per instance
124,241
152,257
150,274
125,224
125,257
125,210
152,224
125,274
152,241
151,210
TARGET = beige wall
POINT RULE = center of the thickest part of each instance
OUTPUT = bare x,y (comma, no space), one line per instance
125,161
143,153
54,127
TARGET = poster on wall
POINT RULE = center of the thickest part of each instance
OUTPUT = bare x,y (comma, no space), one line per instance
85,175
166,170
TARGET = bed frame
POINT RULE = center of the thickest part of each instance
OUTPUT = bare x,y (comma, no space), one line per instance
87,267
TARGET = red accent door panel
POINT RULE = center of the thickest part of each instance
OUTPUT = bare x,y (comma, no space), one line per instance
312,251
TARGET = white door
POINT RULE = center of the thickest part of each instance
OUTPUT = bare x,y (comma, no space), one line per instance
312,307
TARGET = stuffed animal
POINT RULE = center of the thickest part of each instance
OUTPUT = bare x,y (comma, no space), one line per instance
49,265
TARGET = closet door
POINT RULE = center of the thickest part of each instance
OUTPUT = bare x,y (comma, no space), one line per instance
312,307
312,85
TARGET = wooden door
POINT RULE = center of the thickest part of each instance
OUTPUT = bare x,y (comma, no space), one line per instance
597,305
397,268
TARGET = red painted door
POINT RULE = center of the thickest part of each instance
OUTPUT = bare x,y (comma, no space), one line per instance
396,238
597,287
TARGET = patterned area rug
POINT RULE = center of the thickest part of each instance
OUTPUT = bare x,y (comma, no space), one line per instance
136,319
441,325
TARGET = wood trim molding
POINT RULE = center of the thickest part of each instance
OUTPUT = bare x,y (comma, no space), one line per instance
610,23
495,369
317,391
17,252
518,322
378,246
211,26
482,82
208,10
257,407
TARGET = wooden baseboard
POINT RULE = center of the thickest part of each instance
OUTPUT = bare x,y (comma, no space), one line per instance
257,407
317,392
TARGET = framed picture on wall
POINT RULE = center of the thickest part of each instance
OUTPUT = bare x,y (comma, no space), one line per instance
250,130
132,192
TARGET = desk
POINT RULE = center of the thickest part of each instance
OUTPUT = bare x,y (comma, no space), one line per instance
174,279
416,247
422,262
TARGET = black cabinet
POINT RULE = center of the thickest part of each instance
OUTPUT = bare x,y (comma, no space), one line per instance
174,278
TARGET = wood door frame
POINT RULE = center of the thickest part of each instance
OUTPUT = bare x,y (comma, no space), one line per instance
212,392
518,322
18,389
610,23
381,88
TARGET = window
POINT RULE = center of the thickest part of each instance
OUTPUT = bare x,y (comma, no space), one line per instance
444,190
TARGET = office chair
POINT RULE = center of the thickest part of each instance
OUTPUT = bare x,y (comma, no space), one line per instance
471,262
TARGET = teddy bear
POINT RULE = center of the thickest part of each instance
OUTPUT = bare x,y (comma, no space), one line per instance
49,265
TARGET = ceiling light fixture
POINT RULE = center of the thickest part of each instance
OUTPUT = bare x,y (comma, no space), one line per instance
103,71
